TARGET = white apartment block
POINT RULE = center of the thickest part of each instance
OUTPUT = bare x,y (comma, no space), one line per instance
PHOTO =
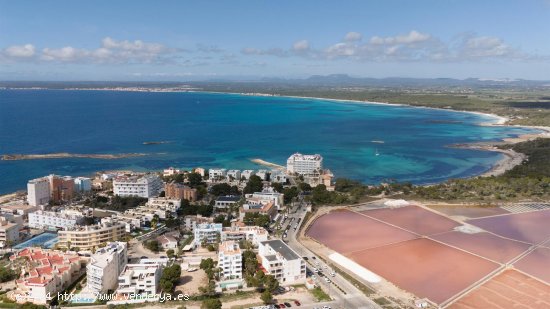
262,174
143,186
267,195
277,176
208,231
9,233
235,174
92,236
254,234
247,173
49,219
105,266
82,184
217,173
163,203
38,191
304,164
230,260
282,262
139,280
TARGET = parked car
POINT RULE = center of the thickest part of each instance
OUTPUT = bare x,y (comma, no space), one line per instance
327,279
288,305
297,303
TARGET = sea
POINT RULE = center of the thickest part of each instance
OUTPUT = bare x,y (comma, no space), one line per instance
371,143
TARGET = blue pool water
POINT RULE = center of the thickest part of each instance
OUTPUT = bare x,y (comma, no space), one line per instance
44,240
226,130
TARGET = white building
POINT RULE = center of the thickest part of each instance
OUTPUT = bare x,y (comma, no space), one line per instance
139,280
170,171
38,191
82,184
230,260
163,203
226,201
254,234
235,174
143,186
105,266
262,174
282,262
247,173
49,219
267,195
304,164
208,231
277,176
216,173
9,233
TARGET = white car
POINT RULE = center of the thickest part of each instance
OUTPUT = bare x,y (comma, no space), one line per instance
314,277
332,274
327,279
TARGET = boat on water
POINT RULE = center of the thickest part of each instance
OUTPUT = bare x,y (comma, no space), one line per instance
377,141
377,153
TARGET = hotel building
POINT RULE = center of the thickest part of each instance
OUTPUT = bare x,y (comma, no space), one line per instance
179,191
38,191
304,164
48,219
94,236
142,186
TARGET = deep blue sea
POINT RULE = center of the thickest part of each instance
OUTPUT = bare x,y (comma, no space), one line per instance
226,130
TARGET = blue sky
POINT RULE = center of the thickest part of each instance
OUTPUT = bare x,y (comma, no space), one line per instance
190,40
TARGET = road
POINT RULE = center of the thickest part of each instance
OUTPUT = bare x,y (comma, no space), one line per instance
345,294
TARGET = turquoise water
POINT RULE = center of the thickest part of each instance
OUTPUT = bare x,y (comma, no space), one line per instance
44,240
226,130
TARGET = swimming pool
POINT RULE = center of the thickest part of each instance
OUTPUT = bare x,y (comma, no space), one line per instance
45,240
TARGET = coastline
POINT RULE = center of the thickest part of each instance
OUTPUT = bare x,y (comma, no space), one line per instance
508,161
268,164
63,155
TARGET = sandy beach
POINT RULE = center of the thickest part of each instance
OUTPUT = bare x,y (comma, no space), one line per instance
269,164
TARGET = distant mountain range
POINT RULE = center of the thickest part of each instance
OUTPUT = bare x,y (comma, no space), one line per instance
332,80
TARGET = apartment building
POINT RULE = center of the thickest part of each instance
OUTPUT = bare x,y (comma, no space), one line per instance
254,234
164,203
82,184
146,186
178,191
208,232
105,266
139,280
306,165
234,175
38,191
282,262
267,195
93,236
49,219
9,233
230,260
227,201
247,173
61,188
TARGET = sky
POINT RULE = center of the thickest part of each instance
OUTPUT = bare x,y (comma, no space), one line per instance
201,40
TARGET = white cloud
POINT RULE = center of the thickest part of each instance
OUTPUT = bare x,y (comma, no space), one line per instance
410,38
301,46
19,51
65,54
353,37
482,47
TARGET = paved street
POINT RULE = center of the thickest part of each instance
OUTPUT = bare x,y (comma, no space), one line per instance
345,295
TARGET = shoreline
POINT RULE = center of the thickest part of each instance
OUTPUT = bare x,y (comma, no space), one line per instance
268,164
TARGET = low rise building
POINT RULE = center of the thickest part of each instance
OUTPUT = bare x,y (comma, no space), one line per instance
171,171
148,185
201,171
224,202
49,219
230,260
9,233
93,236
190,222
247,173
262,174
105,266
267,208
207,232
217,173
174,190
267,195
139,280
254,234
278,177
49,272
164,203
234,175
282,262
168,242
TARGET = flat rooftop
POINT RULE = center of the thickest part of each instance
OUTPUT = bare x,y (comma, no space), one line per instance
280,247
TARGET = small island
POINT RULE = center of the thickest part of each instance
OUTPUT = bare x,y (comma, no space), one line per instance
62,155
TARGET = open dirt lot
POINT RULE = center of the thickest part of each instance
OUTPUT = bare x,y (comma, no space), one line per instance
190,282
509,289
